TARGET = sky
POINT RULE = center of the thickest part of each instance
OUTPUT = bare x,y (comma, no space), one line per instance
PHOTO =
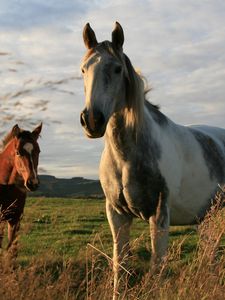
178,45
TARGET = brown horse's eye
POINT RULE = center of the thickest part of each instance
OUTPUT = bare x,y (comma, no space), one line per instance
82,70
18,153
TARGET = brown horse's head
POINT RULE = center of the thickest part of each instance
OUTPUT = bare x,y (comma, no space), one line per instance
26,155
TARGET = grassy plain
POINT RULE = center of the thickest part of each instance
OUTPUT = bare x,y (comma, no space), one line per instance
65,227
63,246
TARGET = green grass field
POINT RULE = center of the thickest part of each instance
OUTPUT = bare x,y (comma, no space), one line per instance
66,226
61,226
62,248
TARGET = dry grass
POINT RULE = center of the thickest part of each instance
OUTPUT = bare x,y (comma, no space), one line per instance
52,277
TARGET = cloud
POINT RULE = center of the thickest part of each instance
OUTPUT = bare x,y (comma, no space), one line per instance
25,14
178,46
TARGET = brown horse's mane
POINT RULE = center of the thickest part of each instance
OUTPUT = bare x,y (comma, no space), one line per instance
23,134
9,136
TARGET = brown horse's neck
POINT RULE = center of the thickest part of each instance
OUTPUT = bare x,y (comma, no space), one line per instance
8,173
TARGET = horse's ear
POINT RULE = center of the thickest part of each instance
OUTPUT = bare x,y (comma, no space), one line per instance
89,37
15,130
118,36
36,132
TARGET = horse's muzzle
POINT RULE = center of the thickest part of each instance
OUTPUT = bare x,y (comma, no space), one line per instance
93,122
32,185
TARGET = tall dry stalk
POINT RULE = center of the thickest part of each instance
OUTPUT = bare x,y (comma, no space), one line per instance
203,277
53,278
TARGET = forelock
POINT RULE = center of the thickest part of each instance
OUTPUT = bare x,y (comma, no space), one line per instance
101,48
26,135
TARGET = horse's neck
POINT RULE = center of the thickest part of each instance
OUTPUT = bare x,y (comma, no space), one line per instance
117,132
124,139
8,173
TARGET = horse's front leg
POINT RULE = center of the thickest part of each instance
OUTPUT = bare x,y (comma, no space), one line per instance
120,228
2,227
159,230
13,228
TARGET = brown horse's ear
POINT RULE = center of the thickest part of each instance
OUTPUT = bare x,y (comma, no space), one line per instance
36,132
89,37
15,130
118,36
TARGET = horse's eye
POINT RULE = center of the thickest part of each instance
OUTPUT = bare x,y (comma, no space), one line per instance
18,153
82,70
118,69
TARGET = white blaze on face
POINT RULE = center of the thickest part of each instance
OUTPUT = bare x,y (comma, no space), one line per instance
28,147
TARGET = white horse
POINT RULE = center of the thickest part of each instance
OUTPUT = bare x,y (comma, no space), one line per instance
151,167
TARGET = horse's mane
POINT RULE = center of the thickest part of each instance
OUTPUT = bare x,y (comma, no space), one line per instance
136,87
24,134
8,137
135,95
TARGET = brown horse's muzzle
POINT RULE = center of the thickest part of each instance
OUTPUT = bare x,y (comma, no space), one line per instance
93,122
32,185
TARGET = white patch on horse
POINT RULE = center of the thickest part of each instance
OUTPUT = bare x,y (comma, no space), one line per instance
160,171
28,147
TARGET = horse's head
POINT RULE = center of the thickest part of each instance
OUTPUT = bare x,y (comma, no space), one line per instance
105,73
26,153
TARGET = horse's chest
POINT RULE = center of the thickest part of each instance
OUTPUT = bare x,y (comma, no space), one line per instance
132,188
12,201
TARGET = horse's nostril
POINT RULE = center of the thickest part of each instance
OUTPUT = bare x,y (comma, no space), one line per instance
82,119
93,121
32,186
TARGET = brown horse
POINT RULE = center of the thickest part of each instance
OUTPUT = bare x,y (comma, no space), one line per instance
18,174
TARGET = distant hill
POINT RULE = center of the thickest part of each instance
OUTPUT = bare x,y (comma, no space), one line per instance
51,186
